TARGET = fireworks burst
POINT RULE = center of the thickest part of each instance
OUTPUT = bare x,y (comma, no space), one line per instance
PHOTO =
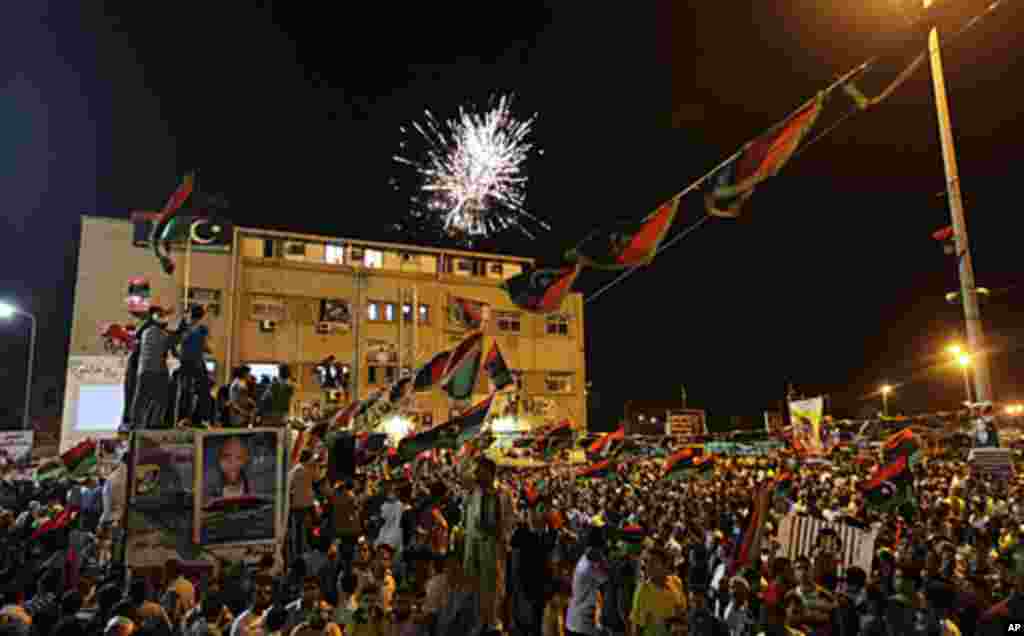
471,177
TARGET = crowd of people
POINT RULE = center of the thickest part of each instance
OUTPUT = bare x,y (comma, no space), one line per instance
463,546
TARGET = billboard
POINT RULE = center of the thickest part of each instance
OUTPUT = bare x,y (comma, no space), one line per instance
687,422
197,495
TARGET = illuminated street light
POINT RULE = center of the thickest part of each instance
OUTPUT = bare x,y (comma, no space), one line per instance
964,360
886,390
7,312
955,350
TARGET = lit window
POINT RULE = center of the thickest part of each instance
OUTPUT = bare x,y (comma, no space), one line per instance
508,322
557,325
558,382
424,314
374,258
295,251
372,312
389,312
406,312
334,254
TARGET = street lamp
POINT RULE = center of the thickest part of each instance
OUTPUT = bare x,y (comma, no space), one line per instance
964,361
7,312
886,390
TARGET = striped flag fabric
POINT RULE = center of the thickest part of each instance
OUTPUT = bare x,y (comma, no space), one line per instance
603,445
430,374
541,291
497,370
460,374
760,159
605,469
903,443
80,460
798,536
630,244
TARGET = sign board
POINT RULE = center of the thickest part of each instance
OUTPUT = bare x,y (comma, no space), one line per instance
685,422
93,398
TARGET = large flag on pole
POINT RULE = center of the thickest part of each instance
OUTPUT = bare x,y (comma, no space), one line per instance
459,377
541,291
890,488
762,158
630,244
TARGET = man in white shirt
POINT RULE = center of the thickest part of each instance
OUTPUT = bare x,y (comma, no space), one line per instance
391,512
591,573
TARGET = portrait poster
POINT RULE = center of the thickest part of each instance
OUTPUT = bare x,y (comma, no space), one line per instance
239,497
158,520
807,416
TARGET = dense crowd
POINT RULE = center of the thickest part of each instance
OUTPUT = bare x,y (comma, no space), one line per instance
459,546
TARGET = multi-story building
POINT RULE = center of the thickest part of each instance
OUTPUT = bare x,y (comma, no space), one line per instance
380,309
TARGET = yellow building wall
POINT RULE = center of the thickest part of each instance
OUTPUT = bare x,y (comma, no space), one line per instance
107,259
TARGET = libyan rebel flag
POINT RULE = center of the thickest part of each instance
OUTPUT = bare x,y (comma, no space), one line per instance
497,370
451,434
762,158
541,291
687,464
892,487
430,374
80,460
604,469
607,443
902,444
630,244
459,377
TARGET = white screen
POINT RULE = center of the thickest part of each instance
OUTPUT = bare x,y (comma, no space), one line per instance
100,407
259,369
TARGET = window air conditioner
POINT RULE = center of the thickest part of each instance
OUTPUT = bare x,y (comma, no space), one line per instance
267,326
323,328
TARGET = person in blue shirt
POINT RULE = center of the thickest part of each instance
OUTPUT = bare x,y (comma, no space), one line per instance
195,345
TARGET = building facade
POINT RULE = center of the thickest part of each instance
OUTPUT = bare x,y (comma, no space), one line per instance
379,309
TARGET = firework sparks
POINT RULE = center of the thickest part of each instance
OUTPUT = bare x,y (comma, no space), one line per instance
471,173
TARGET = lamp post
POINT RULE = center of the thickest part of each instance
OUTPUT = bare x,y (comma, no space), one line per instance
886,390
7,312
968,291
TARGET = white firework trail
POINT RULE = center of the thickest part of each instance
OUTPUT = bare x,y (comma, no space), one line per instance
472,172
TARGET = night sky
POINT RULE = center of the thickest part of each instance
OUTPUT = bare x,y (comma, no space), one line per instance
830,280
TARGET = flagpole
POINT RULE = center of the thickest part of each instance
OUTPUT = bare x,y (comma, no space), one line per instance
968,289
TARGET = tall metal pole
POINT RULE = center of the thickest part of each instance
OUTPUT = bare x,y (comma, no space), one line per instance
26,416
885,403
357,317
972,314
967,384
